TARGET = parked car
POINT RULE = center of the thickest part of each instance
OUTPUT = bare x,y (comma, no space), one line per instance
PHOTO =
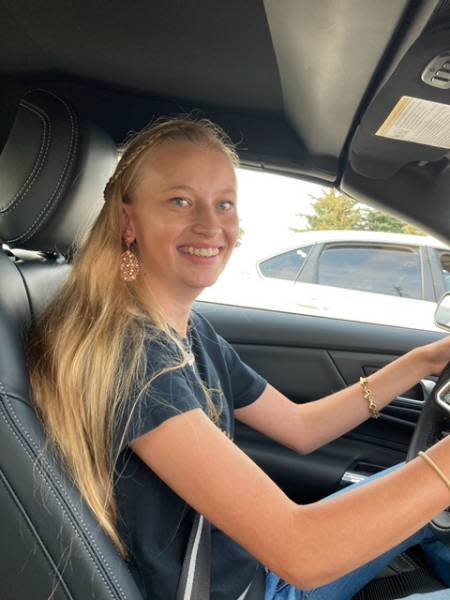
343,94
409,266
367,276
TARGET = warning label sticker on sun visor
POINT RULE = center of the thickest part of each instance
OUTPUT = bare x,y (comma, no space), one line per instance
419,121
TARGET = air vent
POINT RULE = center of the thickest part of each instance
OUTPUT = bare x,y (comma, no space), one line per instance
437,72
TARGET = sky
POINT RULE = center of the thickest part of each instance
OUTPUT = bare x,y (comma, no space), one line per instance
267,207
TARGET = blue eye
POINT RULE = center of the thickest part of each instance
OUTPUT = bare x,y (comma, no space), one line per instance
182,202
226,205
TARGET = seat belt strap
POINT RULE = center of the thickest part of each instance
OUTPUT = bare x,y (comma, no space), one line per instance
195,579
256,589
196,570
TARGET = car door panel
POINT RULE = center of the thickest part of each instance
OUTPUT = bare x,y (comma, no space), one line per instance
307,358
302,374
407,407
309,478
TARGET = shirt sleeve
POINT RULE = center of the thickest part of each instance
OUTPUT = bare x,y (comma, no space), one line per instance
161,395
247,385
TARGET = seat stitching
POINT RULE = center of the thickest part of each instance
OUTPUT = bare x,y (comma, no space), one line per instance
57,190
37,168
34,532
43,474
8,404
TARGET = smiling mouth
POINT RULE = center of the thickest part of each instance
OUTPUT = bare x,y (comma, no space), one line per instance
205,252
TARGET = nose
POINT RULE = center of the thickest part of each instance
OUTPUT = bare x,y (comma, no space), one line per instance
206,221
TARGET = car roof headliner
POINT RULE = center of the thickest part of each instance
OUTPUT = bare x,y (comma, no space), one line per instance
293,62
290,80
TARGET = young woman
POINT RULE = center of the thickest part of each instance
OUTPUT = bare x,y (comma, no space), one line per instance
140,394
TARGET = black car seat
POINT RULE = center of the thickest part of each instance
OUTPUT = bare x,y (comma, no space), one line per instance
52,172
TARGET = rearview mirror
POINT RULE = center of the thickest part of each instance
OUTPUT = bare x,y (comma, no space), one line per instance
442,313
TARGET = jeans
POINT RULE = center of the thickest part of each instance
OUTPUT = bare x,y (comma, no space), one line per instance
347,586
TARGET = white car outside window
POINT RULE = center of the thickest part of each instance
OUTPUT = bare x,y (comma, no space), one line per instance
373,277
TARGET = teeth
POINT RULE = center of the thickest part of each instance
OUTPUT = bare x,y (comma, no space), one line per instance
201,251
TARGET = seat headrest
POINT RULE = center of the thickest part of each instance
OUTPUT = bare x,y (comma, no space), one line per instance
53,170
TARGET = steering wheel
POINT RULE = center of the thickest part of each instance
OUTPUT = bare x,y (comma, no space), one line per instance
433,425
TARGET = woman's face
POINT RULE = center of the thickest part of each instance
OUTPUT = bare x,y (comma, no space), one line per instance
183,217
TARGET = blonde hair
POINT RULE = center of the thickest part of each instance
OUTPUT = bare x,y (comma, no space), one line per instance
80,384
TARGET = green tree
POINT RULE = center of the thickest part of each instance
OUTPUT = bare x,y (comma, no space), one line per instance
334,210
240,236
375,220
413,230
381,221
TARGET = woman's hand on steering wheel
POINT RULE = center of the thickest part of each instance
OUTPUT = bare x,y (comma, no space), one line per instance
437,355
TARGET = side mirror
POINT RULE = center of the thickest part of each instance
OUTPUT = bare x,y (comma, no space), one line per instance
442,313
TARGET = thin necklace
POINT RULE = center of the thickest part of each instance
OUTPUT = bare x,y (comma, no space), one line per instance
187,343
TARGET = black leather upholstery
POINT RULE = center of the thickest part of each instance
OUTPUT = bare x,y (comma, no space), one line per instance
53,169
50,544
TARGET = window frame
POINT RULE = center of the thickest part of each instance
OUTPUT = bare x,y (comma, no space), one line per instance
438,279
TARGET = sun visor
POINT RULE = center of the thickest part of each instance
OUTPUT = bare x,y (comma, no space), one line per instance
408,120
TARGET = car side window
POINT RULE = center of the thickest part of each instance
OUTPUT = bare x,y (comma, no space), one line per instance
377,269
365,275
286,265
445,266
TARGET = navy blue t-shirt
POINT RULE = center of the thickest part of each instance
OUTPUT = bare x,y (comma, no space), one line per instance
154,521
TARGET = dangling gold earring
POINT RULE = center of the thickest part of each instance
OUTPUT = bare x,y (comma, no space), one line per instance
129,265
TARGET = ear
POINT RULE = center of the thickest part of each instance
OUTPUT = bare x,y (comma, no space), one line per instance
127,227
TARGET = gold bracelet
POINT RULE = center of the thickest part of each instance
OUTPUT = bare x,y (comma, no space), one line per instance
368,395
434,466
